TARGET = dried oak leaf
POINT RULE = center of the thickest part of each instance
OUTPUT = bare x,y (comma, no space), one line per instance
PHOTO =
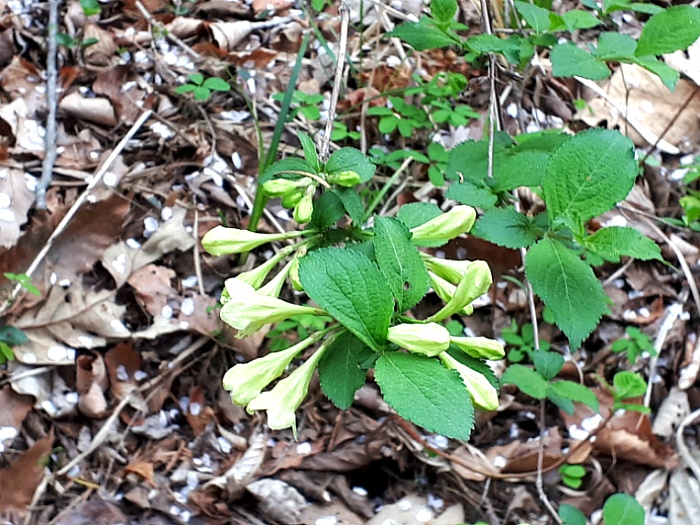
16,198
91,383
152,287
15,407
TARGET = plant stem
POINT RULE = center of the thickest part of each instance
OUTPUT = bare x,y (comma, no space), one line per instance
382,193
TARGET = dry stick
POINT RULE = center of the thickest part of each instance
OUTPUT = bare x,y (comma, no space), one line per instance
683,448
52,102
338,79
168,34
74,209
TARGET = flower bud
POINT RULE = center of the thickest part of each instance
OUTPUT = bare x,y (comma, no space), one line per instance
446,291
274,287
449,269
474,284
305,207
291,199
427,339
225,241
248,311
294,271
479,347
245,381
257,275
457,221
281,187
483,393
344,178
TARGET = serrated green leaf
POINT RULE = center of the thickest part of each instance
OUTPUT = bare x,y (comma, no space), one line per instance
350,159
351,288
575,392
422,35
614,241
417,213
216,84
589,174
568,60
475,364
352,203
472,194
310,153
328,209
547,364
568,286
578,19
289,168
443,10
526,379
672,29
570,515
13,336
423,391
628,384
339,370
668,75
536,17
400,262
623,509
521,168
615,47
515,48
505,227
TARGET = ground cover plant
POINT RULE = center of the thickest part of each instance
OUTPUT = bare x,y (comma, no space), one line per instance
456,303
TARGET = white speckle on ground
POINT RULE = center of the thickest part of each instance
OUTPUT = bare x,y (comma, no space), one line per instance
57,353
187,306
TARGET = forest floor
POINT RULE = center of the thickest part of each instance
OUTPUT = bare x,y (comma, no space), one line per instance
119,385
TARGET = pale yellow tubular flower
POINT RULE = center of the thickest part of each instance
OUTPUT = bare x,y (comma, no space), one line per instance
474,284
479,347
449,225
274,286
448,269
427,339
304,209
282,402
248,311
246,380
483,394
257,275
446,291
294,272
224,241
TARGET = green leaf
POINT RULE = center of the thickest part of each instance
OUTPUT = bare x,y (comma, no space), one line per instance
628,384
615,47
422,35
472,194
668,75
196,78
400,262
526,379
6,352
519,168
328,209
514,48
310,153
570,515
672,29
350,159
568,286
13,336
217,84
536,17
423,391
575,392
351,288
284,167
622,509
589,174
443,10
339,370
201,93
417,213
568,60
185,88
352,203
578,19
547,364
90,7
505,227
612,242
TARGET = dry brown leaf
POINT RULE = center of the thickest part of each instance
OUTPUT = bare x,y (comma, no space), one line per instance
16,198
229,34
127,104
91,383
20,80
15,407
203,318
198,414
152,287
93,512
102,52
21,478
519,456
143,469
271,5
98,110
124,369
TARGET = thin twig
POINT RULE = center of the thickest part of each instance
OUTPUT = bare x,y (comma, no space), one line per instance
197,262
337,80
74,209
52,102
683,448
168,34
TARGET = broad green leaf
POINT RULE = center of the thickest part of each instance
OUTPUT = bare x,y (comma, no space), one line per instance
589,174
339,370
672,29
13,336
351,288
328,209
185,88
400,262
443,10
578,19
536,17
217,84
615,47
612,242
575,392
352,203
526,379
519,168
90,7
505,227
196,78
668,75
350,159
310,153
623,509
422,35
283,168
417,213
568,286
628,384
472,194
547,364
568,60
514,48
610,6
570,515
423,391
201,93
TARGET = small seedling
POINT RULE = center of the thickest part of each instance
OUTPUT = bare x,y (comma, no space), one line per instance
635,344
201,88
304,104
572,475
24,281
